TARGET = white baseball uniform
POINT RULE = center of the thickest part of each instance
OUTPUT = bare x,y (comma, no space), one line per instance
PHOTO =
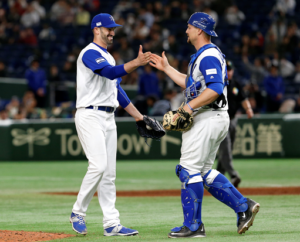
200,144
98,136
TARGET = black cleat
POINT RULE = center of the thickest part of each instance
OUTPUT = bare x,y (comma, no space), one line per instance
185,232
245,219
235,181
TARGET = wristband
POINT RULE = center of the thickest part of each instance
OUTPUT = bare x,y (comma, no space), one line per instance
190,107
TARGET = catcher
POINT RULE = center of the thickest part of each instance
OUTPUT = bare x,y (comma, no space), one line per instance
204,121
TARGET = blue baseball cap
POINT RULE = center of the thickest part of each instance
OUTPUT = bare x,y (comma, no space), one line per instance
203,21
104,20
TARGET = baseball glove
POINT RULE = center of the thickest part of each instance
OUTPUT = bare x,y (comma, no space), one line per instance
179,120
150,128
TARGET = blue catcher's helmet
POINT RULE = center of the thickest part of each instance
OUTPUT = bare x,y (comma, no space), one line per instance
203,21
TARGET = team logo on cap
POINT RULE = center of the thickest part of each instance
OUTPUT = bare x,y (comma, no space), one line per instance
99,24
111,17
198,24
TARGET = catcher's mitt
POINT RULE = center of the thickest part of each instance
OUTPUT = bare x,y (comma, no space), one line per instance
150,128
179,120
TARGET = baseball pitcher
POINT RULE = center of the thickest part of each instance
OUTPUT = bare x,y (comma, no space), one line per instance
204,120
98,95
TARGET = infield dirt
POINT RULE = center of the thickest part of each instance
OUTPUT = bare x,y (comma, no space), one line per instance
164,193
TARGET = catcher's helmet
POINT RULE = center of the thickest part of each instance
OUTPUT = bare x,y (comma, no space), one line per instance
203,21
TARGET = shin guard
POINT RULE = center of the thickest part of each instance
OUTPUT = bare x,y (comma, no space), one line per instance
219,186
191,199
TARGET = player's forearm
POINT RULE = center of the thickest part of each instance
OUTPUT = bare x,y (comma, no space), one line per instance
131,109
131,65
246,104
207,96
176,76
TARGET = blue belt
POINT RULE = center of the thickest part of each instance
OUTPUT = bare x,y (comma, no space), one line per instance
102,108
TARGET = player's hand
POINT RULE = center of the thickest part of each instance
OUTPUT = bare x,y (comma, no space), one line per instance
161,63
143,58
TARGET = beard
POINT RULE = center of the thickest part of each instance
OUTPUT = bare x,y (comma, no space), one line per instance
189,41
106,38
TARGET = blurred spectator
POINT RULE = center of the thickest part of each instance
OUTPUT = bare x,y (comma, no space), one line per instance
131,79
274,86
117,57
155,43
271,43
257,70
287,106
297,106
146,14
54,75
125,51
286,68
278,28
60,89
47,33
13,107
197,6
15,34
18,6
163,106
82,16
36,80
175,10
234,16
31,17
28,37
3,114
158,11
244,46
122,6
171,45
184,9
148,84
212,13
28,105
69,16
141,31
68,68
297,76
145,104
61,11
3,72
285,6
39,8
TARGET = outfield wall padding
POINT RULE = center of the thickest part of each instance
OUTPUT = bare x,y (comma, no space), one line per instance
265,136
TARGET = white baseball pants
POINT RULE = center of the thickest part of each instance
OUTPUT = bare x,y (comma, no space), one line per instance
98,136
201,143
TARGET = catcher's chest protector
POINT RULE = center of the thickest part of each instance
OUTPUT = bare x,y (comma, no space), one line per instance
195,81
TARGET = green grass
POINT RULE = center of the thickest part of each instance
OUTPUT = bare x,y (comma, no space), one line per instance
136,175
23,207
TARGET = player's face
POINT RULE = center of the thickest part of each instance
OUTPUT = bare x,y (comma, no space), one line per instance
191,33
107,35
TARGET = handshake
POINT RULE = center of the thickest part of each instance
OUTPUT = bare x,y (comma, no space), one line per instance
161,63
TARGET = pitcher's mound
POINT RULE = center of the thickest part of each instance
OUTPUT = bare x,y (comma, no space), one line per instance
24,236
